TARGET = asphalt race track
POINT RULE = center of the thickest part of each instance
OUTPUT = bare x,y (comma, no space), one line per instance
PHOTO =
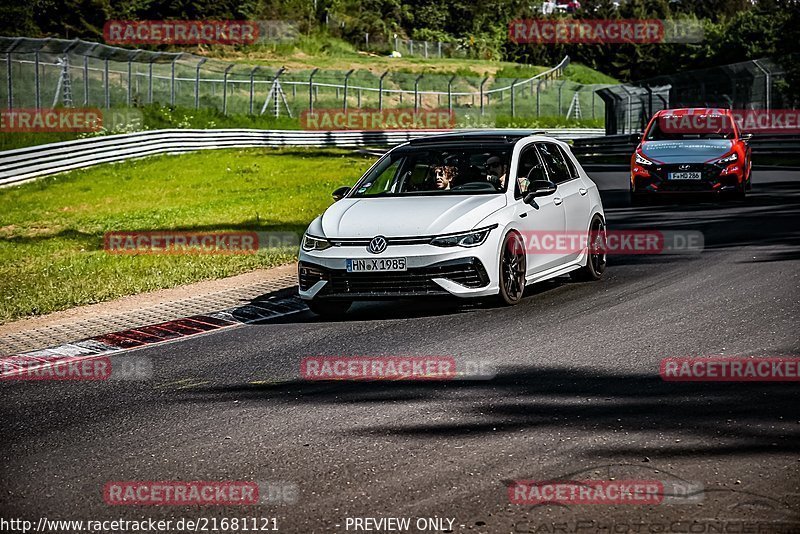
577,396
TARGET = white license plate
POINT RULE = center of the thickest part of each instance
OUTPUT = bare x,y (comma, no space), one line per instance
686,176
377,264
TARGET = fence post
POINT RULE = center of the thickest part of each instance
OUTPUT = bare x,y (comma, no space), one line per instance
130,69
593,97
426,49
197,84
626,128
538,91
278,93
440,49
450,93
225,89
366,40
416,92
85,80
560,87
346,79
36,78
107,83
380,90
513,98
252,89
767,85
172,82
411,45
150,83
483,82
311,91
10,85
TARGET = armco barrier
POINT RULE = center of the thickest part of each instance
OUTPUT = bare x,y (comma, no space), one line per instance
617,149
24,164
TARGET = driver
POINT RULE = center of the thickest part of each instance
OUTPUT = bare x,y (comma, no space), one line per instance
496,172
443,176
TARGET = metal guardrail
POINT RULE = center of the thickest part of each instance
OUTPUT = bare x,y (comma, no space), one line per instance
619,148
23,164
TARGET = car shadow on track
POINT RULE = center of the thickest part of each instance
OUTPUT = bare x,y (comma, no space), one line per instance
381,310
725,418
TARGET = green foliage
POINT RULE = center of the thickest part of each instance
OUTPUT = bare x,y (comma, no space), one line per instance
736,30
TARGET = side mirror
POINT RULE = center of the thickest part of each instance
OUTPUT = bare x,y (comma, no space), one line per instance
539,188
746,137
340,193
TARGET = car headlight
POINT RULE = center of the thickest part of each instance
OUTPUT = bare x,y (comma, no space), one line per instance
465,239
733,158
315,243
641,160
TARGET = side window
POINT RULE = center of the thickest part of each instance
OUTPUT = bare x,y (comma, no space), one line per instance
573,171
529,169
554,163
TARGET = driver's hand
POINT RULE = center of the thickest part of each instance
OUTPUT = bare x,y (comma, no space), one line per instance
494,180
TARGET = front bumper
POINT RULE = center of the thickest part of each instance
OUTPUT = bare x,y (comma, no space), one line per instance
714,178
463,277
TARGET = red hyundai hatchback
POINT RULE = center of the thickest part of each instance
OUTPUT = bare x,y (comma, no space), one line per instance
691,150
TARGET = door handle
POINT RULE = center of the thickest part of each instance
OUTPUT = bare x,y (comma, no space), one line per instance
557,201
582,191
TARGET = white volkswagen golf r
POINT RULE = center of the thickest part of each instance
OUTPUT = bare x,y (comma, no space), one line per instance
440,216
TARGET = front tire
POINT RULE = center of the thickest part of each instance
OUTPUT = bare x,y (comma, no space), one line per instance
329,308
513,267
596,262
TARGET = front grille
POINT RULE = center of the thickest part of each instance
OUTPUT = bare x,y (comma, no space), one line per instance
710,176
468,272
390,241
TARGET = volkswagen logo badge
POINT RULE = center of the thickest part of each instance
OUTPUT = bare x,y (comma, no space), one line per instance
377,245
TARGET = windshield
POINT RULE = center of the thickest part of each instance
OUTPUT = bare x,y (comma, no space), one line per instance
437,171
678,127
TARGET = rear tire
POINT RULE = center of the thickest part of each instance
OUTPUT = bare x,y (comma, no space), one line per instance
513,267
595,262
329,308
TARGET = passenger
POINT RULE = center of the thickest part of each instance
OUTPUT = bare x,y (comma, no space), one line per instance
496,172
